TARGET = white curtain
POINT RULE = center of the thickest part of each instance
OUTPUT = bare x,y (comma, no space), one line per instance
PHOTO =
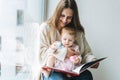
36,14
44,10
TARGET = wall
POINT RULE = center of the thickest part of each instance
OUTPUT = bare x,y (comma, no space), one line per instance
101,19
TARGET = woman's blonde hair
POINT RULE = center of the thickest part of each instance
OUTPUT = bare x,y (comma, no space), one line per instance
63,4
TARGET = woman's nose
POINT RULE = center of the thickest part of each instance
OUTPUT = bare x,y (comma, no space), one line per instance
65,20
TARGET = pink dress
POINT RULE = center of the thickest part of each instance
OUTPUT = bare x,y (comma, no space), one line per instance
67,64
64,65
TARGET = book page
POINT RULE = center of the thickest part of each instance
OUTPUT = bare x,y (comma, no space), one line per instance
77,70
87,65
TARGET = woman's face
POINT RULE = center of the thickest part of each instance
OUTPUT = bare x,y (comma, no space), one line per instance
65,17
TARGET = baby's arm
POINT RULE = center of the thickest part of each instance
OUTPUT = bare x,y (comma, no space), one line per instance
76,59
53,47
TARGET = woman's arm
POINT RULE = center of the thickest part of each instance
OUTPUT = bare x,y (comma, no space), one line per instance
47,37
85,49
44,41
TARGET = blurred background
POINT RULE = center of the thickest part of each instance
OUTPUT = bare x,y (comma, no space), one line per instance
19,35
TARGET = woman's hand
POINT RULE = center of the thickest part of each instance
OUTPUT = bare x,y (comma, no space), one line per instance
95,66
44,70
70,52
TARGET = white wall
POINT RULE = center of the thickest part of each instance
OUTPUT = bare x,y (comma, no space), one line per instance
101,19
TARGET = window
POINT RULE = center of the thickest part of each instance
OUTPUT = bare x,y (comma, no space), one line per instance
19,44
20,17
14,22
0,43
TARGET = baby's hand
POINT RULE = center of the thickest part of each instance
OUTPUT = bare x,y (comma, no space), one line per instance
75,59
53,46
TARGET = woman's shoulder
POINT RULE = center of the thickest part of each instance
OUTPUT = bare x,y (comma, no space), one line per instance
47,27
80,33
44,25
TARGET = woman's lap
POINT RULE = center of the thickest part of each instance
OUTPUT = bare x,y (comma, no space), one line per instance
86,75
56,76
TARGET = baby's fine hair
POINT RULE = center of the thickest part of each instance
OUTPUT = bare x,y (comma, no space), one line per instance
69,29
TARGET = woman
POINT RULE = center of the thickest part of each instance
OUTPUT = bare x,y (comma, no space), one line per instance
66,13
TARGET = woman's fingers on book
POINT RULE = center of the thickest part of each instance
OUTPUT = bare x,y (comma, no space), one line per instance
43,69
48,69
96,65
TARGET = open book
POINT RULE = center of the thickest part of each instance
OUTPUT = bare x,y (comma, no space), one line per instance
78,70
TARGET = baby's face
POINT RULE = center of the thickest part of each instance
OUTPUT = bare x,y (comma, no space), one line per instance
67,40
